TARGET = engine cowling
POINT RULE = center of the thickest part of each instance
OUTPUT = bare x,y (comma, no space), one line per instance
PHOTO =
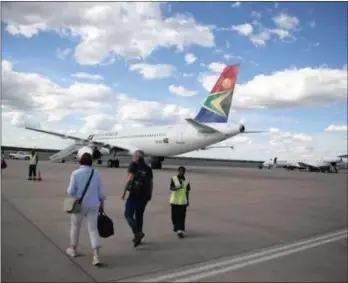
242,128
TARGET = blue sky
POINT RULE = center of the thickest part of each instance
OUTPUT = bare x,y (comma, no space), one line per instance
313,52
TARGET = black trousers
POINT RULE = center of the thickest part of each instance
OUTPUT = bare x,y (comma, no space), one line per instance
32,170
134,213
179,217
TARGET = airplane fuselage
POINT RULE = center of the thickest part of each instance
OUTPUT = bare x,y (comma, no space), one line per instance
168,140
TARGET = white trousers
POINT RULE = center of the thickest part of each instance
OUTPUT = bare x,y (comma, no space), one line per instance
91,214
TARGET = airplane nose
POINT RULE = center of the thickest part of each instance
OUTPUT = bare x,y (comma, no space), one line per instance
241,128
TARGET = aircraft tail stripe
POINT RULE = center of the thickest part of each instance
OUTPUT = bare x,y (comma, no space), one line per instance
217,105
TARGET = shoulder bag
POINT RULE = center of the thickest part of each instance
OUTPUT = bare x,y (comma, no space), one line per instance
72,205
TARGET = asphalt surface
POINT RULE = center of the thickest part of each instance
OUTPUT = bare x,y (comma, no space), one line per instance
167,161
243,225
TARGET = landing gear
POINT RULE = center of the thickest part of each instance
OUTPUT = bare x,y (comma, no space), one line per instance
156,162
114,162
100,161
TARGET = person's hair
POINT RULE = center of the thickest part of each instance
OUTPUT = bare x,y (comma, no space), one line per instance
140,152
86,159
182,168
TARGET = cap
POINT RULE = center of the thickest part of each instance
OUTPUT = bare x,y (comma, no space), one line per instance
82,150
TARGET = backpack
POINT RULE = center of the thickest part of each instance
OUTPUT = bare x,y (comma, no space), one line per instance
141,182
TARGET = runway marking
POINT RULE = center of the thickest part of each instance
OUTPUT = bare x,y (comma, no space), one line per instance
223,266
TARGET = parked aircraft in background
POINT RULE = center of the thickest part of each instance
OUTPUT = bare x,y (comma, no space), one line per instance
207,128
327,164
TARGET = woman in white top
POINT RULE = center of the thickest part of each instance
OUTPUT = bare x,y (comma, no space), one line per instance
92,201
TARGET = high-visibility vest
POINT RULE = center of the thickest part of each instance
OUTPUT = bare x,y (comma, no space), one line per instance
32,160
179,197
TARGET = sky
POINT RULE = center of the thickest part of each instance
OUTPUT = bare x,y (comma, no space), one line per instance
82,68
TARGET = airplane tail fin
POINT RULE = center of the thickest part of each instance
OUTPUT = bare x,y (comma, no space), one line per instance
217,105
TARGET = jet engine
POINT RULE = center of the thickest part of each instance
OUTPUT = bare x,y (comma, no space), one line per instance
242,128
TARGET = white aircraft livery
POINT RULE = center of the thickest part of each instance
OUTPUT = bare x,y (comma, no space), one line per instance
327,164
207,128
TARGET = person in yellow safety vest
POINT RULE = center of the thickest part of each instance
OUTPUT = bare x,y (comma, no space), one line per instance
179,200
33,160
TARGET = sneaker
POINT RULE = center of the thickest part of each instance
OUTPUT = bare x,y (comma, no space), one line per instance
137,239
96,261
180,234
71,252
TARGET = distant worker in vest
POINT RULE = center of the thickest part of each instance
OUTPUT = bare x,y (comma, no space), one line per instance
179,200
33,160
139,184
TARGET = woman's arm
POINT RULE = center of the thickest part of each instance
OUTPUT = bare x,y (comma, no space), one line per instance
101,194
71,191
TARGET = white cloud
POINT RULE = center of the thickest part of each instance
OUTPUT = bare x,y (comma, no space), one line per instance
260,34
243,29
190,58
312,24
287,88
256,14
261,38
236,4
63,53
336,128
285,21
32,99
153,71
87,76
180,90
217,67
108,29
231,56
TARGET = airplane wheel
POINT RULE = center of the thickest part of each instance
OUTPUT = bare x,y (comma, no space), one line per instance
156,165
63,161
100,162
116,163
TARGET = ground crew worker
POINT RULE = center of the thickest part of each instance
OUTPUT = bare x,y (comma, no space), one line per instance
33,160
179,200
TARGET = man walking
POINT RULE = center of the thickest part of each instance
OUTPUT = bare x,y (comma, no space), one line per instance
33,160
139,185
179,200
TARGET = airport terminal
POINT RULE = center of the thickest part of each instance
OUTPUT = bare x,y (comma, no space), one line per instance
174,142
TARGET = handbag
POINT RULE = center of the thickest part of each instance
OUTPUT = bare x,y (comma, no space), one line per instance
3,164
105,225
72,205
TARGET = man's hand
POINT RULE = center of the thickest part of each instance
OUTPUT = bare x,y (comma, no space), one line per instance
123,197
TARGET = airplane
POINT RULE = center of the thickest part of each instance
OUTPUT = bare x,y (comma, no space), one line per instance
206,129
327,164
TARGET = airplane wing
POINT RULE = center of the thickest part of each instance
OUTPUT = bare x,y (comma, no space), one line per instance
313,164
81,142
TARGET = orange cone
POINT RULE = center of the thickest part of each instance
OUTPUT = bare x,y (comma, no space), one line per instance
39,176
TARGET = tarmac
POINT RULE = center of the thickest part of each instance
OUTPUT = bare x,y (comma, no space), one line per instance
243,224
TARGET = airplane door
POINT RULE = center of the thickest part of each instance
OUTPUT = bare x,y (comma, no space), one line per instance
180,137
